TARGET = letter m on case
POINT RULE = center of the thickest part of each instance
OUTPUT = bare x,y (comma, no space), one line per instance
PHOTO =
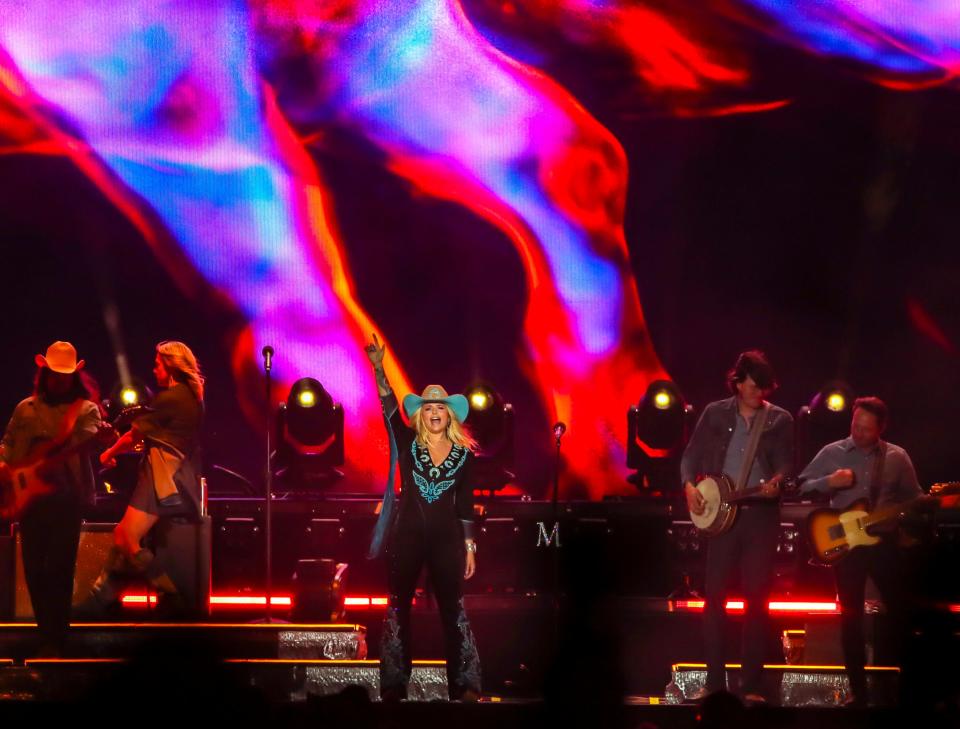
545,539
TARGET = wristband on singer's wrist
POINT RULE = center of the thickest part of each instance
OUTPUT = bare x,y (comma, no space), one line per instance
471,547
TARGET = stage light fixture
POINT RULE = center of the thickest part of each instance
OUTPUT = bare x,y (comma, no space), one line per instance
125,403
657,430
836,402
129,396
480,398
662,400
824,420
491,423
124,397
310,443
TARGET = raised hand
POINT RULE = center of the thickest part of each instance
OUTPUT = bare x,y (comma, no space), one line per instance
842,478
375,352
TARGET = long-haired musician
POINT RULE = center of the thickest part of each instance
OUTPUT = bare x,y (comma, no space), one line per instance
721,444
63,410
167,482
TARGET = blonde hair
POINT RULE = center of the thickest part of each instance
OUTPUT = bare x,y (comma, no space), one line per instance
182,365
456,431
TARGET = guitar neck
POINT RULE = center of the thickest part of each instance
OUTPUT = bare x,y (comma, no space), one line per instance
745,494
62,455
785,487
893,511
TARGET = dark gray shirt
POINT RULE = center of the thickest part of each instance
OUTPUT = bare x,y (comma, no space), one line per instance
898,482
34,421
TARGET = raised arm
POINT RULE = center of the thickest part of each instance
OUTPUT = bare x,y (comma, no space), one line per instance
124,444
388,399
375,352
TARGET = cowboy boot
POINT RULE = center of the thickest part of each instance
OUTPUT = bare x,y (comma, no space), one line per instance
169,600
104,597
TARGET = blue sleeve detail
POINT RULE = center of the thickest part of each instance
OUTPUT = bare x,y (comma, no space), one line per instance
389,498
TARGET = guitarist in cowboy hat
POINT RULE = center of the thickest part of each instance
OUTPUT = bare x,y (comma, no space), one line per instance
62,411
864,466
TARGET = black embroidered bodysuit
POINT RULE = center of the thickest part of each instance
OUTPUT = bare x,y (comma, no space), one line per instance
437,497
434,516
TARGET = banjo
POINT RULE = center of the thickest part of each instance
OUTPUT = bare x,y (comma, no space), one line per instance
721,499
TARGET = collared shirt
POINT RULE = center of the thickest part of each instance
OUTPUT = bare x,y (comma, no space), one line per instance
733,461
710,442
898,482
34,421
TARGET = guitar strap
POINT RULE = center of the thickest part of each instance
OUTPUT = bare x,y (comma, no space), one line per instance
756,430
876,474
70,417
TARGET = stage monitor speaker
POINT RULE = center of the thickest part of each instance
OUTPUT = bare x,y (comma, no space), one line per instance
182,550
95,543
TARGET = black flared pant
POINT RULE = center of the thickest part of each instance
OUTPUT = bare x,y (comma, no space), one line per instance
442,553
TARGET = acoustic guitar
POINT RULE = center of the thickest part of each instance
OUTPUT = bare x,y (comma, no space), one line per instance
834,533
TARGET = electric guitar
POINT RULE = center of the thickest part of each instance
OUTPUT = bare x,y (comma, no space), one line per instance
23,482
833,533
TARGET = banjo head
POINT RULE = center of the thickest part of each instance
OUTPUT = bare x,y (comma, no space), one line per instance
710,491
717,513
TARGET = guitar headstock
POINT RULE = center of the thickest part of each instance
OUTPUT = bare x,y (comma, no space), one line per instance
945,488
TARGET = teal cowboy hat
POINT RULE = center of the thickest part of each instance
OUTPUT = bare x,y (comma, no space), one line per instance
435,393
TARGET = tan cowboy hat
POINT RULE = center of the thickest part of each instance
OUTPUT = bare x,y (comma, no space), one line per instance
61,357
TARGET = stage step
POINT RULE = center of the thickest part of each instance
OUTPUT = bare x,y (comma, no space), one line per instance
331,641
282,680
792,684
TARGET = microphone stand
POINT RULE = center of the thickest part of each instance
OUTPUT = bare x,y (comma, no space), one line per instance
558,430
556,480
268,482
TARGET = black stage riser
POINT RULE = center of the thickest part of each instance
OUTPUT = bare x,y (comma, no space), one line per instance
635,537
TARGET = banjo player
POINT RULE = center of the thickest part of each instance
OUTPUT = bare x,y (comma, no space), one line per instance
725,442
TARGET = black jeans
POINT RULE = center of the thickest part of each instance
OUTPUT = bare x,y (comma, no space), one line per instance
443,555
751,546
885,563
50,533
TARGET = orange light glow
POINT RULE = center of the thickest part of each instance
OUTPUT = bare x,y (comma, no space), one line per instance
793,667
774,606
133,600
365,601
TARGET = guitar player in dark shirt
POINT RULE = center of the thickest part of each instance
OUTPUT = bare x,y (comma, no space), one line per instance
62,411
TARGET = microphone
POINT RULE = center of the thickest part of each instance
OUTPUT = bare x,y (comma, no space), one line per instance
559,428
267,353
